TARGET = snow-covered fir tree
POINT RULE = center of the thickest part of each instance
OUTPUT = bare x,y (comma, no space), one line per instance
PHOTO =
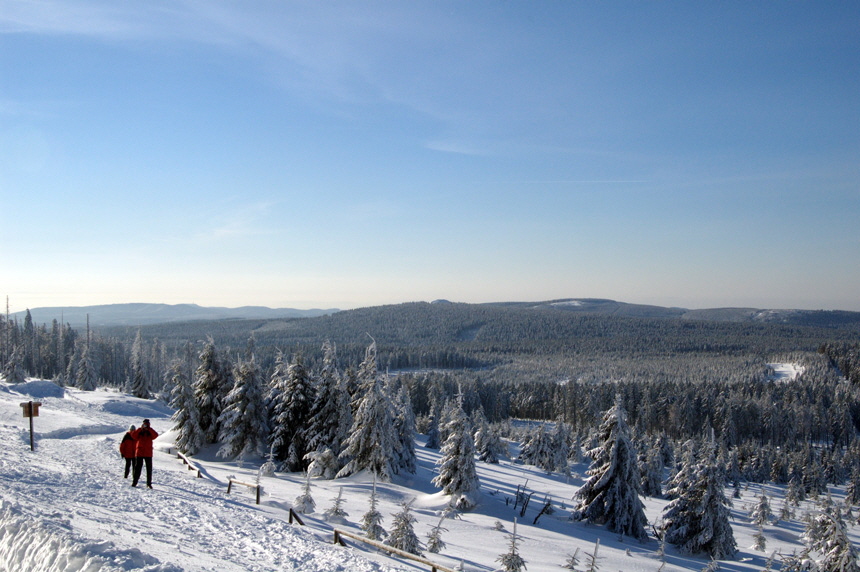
511,560
610,496
404,427
697,520
651,470
186,423
592,563
330,419
561,438
537,449
13,370
686,470
304,503
139,386
852,489
243,420
336,513
210,380
402,535
827,535
572,562
488,444
759,539
87,378
458,476
795,492
435,544
371,521
761,514
433,438
371,443
292,396
813,479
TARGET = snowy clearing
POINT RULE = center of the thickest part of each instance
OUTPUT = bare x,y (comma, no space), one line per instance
65,506
785,371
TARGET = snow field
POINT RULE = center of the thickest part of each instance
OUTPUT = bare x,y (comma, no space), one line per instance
66,507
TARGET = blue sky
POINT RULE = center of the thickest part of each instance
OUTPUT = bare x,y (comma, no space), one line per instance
345,154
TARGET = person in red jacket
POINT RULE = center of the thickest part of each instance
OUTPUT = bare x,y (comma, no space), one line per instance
143,438
126,449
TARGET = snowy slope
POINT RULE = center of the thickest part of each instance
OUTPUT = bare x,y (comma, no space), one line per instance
67,507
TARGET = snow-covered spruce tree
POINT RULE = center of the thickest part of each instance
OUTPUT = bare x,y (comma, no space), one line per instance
697,520
651,471
572,562
435,544
511,560
139,386
759,539
371,443
292,398
537,449
13,370
209,382
795,492
304,503
591,565
186,423
687,469
458,476
827,535
330,419
336,513
87,378
402,535
561,438
433,438
371,522
761,514
243,421
488,444
610,496
852,489
404,427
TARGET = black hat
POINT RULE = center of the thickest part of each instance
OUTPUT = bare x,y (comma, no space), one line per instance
146,421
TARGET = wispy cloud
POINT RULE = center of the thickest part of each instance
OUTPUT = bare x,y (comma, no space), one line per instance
457,147
234,222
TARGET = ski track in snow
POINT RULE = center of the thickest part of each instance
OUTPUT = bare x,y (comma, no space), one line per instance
166,519
75,479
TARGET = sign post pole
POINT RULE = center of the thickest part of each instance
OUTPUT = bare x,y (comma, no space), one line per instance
32,443
31,409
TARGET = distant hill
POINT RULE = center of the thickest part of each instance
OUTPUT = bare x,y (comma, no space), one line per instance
133,315
148,314
819,318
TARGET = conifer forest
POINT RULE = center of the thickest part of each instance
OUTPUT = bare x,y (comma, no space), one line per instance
684,404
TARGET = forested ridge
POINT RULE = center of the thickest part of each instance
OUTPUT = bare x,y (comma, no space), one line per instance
514,360
506,342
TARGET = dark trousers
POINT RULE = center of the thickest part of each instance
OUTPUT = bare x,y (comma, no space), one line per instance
129,463
138,468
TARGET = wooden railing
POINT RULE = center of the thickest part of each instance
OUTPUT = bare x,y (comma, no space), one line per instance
294,517
249,485
187,461
382,546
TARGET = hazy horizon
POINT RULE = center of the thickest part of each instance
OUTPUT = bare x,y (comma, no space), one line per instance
22,310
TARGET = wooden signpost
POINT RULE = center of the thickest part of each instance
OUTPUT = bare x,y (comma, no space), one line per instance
31,409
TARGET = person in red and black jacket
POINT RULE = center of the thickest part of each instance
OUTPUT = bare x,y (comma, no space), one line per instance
126,449
143,438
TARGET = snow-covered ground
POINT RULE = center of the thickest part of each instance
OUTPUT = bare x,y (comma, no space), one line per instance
785,371
65,506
